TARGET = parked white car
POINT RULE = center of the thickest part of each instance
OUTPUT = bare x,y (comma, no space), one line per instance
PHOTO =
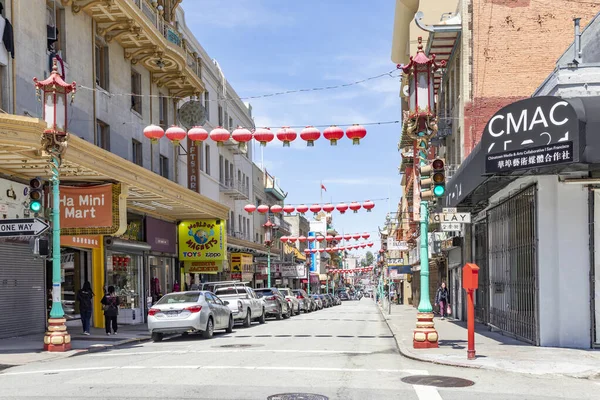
193,311
291,298
243,303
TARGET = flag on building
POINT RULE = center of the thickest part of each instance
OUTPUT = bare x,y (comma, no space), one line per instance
323,187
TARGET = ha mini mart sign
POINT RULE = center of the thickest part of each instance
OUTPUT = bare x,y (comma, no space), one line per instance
86,207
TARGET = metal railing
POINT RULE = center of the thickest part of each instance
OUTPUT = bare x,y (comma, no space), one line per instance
235,185
241,235
171,34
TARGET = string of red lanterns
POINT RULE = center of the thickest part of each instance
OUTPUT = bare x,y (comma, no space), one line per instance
315,208
242,135
338,248
329,238
349,271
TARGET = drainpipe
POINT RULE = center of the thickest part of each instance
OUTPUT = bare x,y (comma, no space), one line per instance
577,44
592,274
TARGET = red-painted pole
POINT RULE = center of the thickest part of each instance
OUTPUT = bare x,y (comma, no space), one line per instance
471,325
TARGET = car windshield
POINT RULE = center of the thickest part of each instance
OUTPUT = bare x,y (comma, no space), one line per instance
230,291
285,292
175,298
266,292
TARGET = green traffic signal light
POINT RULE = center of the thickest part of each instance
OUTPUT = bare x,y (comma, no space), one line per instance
439,190
35,206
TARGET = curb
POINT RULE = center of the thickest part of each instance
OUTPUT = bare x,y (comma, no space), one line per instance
592,375
97,349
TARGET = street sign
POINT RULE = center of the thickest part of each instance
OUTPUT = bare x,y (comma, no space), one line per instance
450,226
461,218
22,227
449,210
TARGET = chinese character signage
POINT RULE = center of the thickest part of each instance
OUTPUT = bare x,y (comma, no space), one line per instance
202,240
84,242
532,133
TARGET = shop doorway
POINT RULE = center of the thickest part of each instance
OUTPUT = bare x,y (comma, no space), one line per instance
75,269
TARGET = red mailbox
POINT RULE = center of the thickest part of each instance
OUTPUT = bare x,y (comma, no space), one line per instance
470,276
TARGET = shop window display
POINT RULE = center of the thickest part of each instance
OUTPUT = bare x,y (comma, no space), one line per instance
124,274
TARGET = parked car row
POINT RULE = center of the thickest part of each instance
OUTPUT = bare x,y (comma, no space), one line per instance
220,305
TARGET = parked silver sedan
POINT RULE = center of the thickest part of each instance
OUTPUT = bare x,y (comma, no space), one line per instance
183,312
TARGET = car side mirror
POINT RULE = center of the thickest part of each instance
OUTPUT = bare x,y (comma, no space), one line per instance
226,303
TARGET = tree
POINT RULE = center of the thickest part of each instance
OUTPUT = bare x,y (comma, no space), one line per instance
369,258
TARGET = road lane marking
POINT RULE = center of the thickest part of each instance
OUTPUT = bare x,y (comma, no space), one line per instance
207,367
427,392
230,351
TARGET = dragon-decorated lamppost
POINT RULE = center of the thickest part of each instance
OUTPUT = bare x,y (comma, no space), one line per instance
420,124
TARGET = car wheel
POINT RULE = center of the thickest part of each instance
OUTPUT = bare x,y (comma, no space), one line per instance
230,326
210,327
157,337
248,319
262,318
299,310
287,313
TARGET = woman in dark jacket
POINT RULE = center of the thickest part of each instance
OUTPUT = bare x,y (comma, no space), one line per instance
442,298
84,296
110,302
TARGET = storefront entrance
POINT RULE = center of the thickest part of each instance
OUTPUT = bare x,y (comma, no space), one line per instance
75,269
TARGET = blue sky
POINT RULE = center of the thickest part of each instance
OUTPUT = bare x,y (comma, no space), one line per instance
265,46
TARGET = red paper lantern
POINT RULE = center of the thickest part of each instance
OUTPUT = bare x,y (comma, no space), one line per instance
263,136
315,208
356,132
370,244
302,239
250,208
333,134
220,135
338,238
307,251
302,209
362,246
328,249
292,239
320,239
342,208
283,239
263,209
368,205
310,134
354,206
286,135
356,236
366,235
328,208
197,134
289,209
310,239
313,251
329,238
276,209
154,133
347,237
242,136
321,250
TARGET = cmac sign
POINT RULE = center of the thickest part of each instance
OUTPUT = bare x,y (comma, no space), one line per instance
531,133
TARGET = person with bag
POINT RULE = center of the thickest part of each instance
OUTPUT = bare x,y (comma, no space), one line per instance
84,296
110,304
442,298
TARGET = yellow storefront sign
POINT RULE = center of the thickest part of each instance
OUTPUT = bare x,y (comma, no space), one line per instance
241,262
203,267
202,240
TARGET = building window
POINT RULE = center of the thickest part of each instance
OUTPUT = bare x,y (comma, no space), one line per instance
55,26
136,152
201,157
102,135
207,105
221,169
257,238
226,119
164,166
101,65
232,221
231,123
207,159
220,116
136,91
163,111
240,224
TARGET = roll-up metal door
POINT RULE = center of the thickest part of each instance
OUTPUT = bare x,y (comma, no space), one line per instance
22,291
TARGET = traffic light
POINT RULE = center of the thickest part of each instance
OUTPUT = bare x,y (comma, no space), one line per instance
433,180
36,195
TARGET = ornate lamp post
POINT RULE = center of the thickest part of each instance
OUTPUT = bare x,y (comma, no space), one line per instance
420,124
53,92
269,242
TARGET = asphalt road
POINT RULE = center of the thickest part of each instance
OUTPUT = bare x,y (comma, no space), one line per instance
345,352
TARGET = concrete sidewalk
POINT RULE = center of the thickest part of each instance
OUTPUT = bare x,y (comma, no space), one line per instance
494,350
28,349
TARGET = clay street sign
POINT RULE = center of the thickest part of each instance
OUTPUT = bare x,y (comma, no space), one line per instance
461,218
22,227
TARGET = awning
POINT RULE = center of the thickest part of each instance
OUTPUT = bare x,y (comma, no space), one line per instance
298,255
21,157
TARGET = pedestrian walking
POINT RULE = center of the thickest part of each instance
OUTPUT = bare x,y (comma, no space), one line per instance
84,297
442,298
110,303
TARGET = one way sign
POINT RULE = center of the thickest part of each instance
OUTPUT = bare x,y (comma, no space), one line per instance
22,227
